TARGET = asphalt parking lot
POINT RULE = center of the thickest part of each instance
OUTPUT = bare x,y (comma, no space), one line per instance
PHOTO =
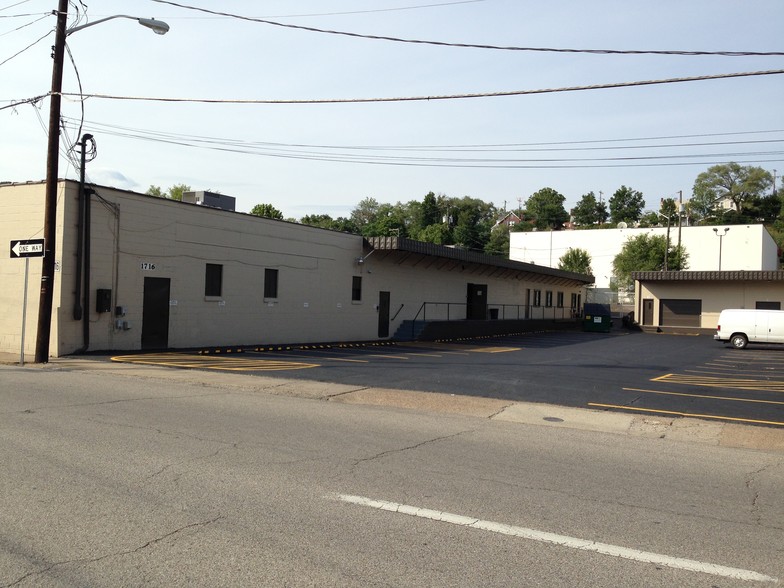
630,372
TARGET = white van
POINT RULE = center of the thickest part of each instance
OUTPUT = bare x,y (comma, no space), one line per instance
741,326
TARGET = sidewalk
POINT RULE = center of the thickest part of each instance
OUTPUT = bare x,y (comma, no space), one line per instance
687,430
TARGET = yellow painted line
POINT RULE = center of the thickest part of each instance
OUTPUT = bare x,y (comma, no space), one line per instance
317,357
687,414
495,349
704,396
414,354
213,363
389,356
718,382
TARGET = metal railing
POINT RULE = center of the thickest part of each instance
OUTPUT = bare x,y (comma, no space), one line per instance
453,311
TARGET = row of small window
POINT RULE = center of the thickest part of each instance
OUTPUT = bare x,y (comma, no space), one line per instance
213,283
548,299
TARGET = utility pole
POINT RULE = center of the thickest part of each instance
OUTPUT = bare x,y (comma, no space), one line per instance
50,202
680,216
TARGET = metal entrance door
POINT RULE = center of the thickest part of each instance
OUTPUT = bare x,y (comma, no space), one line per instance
155,313
383,314
647,311
476,309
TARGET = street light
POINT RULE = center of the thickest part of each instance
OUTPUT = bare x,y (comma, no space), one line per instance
721,238
52,156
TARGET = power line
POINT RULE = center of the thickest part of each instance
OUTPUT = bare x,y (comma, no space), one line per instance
582,145
275,151
472,45
429,98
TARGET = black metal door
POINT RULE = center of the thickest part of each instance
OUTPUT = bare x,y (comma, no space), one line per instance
476,309
383,314
155,313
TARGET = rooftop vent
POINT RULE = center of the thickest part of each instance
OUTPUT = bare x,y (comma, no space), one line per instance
210,199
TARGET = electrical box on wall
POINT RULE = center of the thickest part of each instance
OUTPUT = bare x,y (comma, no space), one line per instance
103,300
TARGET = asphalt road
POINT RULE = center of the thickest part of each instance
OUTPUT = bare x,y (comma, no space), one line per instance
125,477
669,375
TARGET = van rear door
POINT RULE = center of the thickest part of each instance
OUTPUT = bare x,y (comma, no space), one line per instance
775,326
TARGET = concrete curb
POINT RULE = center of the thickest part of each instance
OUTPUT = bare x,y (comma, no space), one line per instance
687,430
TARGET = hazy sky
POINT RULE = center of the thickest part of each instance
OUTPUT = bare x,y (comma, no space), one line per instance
325,158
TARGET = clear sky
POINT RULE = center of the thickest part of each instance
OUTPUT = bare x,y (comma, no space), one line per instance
325,158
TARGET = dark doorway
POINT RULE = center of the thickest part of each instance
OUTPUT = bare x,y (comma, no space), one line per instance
767,305
155,313
476,308
383,314
676,312
647,311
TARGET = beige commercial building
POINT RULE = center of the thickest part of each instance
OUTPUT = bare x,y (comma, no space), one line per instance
695,299
137,272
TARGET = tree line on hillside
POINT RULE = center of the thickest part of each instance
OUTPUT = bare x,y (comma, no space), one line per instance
473,224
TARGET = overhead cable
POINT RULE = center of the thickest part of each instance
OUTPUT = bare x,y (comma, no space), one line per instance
426,98
471,45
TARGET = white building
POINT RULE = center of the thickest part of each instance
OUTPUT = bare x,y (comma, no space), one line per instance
728,248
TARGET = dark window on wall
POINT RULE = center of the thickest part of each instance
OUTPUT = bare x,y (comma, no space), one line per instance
559,300
356,288
213,280
574,301
537,298
766,305
270,283
548,298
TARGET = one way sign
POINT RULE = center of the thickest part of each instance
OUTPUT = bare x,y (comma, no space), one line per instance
27,248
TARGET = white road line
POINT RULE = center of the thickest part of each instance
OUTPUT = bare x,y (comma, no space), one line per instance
562,540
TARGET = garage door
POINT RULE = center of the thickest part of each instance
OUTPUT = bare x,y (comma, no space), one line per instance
680,313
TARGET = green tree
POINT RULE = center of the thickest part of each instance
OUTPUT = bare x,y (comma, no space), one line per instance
586,212
473,220
173,193
430,214
440,234
577,261
626,205
498,244
324,221
645,253
546,206
267,211
740,184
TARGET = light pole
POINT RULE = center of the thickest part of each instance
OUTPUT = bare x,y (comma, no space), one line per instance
52,156
721,238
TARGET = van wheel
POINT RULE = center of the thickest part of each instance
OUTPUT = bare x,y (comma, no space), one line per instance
739,341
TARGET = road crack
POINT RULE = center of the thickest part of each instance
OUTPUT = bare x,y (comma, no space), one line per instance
91,560
408,448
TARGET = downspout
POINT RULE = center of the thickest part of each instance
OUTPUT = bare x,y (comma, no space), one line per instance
77,308
88,192
81,311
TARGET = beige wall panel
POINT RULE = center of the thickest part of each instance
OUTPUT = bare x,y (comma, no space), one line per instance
134,236
715,296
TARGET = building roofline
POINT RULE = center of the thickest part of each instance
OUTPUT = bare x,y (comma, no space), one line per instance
710,276
456,254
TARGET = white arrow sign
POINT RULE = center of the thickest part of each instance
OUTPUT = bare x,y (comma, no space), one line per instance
27,248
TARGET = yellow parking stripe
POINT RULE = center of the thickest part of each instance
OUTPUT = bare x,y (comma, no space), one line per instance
213,363
717,382
665,393
686,414
495,349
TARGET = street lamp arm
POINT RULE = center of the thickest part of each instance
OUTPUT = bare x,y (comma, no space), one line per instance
158,26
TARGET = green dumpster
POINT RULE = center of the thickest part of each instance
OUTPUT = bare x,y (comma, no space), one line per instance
597,318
